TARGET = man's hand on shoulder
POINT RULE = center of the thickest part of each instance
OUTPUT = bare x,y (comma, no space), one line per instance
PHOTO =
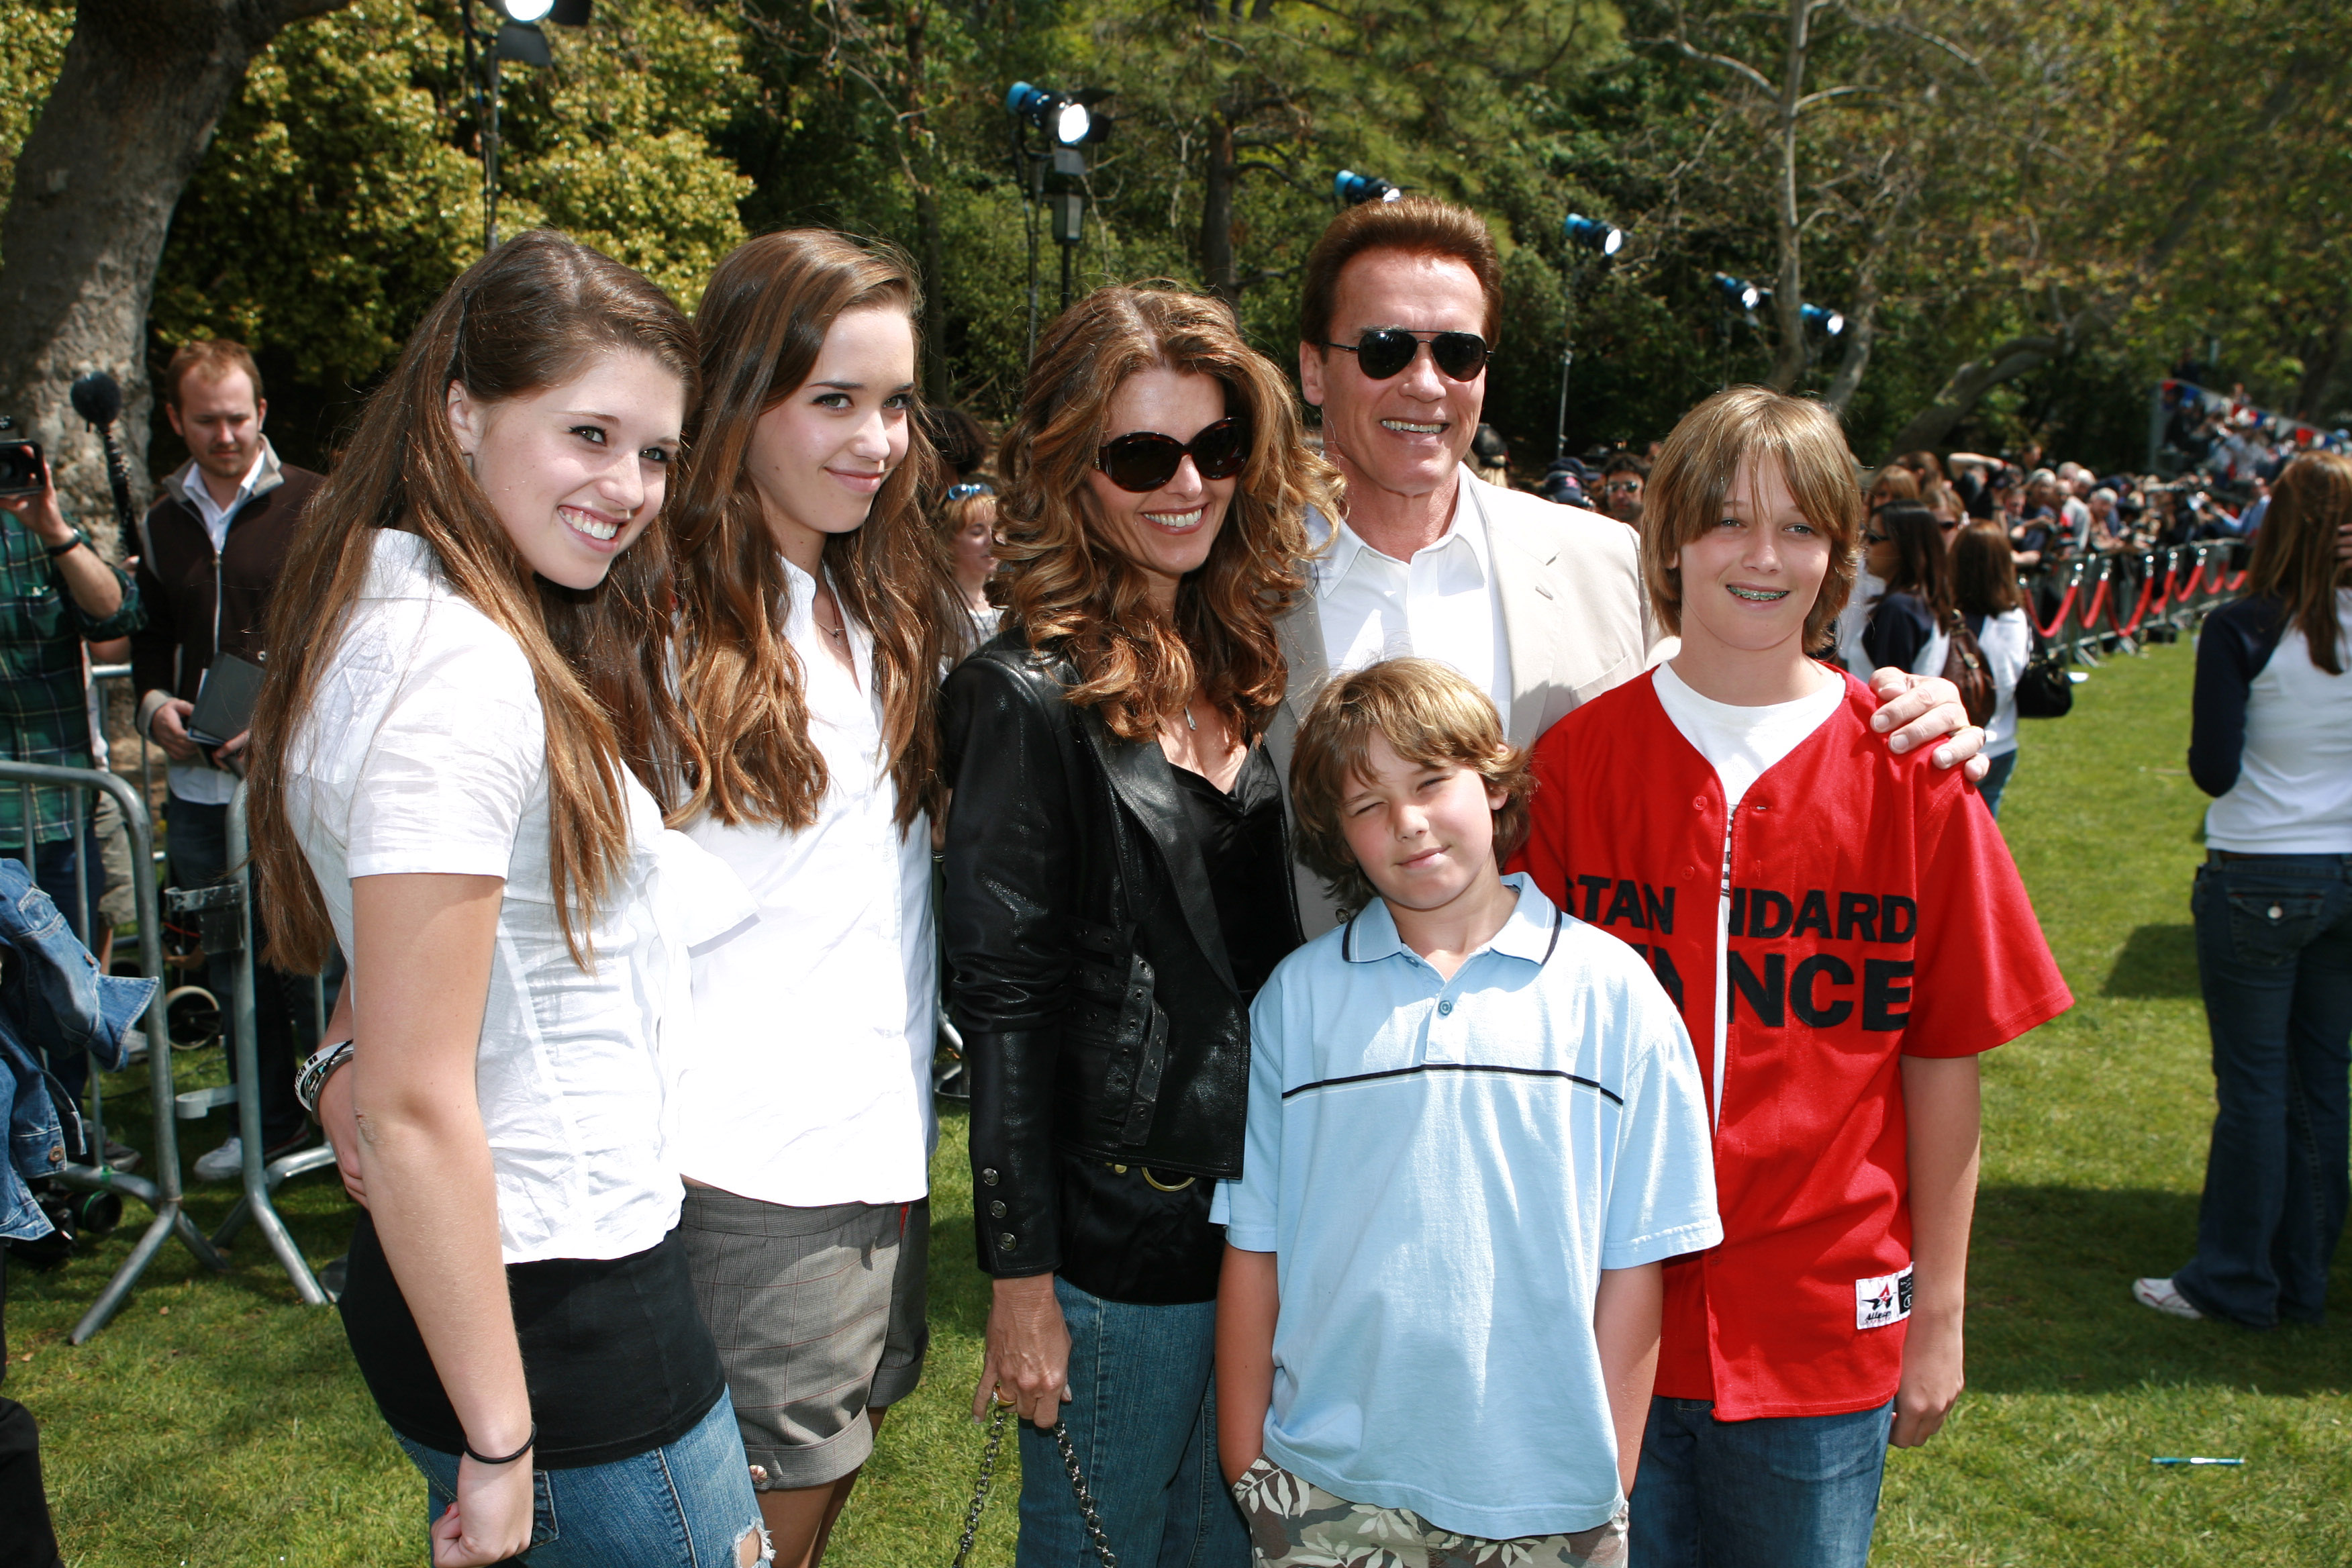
1920,710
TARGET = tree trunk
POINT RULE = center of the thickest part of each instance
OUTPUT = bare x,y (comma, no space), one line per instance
2012,359
930,242
142,85
1217,213
1861,329
1788,284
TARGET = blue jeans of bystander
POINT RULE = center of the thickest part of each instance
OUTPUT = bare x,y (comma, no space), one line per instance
2274,956
1996,780
689,1505
1795,1492
1142,1419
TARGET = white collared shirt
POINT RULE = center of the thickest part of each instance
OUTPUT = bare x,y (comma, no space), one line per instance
423,751
810,1080
214,516
1443,604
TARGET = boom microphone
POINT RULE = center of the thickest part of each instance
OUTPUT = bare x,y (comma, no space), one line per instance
98,398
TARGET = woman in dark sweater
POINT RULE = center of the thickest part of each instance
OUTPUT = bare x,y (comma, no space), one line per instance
1906,630
2271,740
1117,887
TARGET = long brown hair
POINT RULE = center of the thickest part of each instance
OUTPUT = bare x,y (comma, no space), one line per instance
528,316
1984,571
1921,566
2294,554
1068,586
764,320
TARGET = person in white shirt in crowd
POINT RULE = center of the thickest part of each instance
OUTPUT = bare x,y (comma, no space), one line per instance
814,612
1539,606
458,764
1985,587
2270,740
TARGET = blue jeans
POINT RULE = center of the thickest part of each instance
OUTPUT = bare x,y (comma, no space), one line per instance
1793,1492
2275,953
1996,780
685,1506
1142,1419
53,873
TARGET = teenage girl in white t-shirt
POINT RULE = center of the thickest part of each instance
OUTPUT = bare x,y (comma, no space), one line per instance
816,609
452,763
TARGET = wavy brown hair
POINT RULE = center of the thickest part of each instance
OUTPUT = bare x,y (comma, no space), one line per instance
2294,554
1068,588
763,321
531,315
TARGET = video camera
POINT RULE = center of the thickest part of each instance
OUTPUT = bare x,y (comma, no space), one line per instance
21,473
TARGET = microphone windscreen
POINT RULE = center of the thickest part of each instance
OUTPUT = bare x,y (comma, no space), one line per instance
97,399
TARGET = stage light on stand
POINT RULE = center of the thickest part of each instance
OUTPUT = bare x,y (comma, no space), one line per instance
517,37
1822,319
527,10
1592,233
1353,189
1064,119
1738,293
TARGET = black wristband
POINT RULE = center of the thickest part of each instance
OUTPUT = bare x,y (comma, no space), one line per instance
69,546
528,1444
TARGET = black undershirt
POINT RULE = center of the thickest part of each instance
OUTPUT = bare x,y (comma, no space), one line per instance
1240,834
615,1353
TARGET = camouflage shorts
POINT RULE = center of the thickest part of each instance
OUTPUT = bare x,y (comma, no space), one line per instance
1293,1524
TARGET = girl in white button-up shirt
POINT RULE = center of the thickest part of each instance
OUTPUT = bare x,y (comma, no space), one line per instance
467,701
815,611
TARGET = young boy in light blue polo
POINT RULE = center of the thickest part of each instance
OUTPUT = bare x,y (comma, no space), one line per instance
1475,1131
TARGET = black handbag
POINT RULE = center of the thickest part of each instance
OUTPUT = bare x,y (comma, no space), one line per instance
2046,689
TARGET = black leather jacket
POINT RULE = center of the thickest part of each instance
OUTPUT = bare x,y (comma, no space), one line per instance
1087,970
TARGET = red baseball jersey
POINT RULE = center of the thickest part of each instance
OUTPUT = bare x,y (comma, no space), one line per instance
1873,913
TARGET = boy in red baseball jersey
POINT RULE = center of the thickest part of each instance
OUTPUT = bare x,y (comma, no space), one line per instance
1844,932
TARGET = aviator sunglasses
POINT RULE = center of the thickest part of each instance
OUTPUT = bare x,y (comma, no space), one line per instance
1144,460
1383,352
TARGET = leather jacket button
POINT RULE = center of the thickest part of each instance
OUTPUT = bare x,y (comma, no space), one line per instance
996,1209
1004,1241
988,1176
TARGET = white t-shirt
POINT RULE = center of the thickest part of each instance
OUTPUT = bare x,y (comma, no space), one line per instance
424,750
1742,744
1443,604
2008,645
810,1080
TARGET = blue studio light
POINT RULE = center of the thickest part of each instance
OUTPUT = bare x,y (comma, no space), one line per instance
1827,321
1738,294
1354,189
1057,114
1592,233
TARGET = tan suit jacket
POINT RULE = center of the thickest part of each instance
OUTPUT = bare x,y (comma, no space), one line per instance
1575,620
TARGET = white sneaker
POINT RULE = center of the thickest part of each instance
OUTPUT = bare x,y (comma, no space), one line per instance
2161,1295
225,1164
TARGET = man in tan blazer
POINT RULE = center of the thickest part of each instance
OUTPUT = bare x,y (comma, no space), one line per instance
1541,605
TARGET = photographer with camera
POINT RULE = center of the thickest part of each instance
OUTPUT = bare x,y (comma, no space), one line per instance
211,548
56,594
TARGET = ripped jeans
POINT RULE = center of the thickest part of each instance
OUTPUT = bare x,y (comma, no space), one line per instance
689,1505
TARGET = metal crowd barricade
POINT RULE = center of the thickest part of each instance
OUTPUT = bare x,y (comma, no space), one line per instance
2107,600
162,1195
231,915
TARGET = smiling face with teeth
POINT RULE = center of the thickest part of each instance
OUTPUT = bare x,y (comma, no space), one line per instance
1748,583
1168,532
575,472
1400,442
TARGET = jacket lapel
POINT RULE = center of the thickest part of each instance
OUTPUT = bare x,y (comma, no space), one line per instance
1531,614
1299,629
1144,781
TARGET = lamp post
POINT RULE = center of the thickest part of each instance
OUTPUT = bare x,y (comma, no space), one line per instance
518,39
1585,235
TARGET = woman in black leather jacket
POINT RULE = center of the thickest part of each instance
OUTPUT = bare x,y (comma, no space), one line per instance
1117,887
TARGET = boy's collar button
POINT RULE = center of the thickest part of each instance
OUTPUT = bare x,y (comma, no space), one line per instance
1698,803
1446,1006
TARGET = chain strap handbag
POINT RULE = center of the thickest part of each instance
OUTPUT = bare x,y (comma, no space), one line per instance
1087,1510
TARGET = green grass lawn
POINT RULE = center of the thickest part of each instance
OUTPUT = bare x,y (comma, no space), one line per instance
218,1422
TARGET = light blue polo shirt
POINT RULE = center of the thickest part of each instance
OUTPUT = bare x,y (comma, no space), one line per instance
1442,1169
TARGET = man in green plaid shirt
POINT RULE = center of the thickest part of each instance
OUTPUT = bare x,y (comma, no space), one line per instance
56,593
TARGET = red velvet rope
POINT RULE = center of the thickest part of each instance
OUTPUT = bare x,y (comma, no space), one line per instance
2065,605
2146,593
2098,603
